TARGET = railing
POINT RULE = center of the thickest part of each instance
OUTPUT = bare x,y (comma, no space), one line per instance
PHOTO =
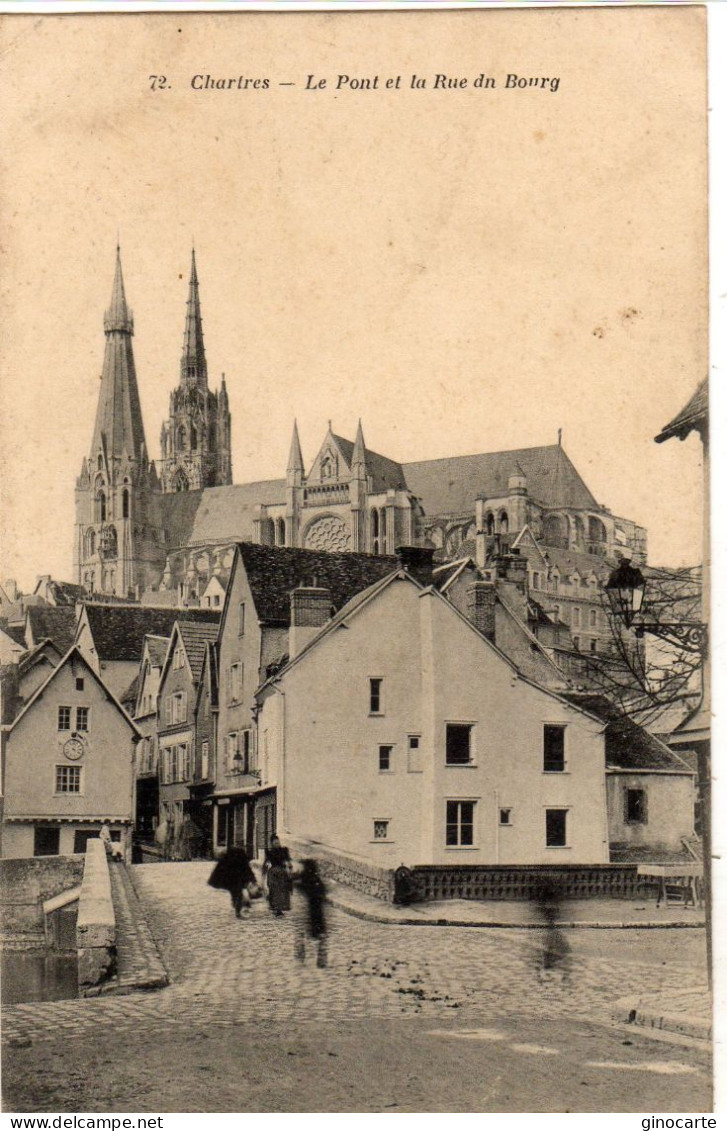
617,881
327,493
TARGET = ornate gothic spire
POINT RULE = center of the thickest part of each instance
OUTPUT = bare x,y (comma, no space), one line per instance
358,459
119,427
194,363
295,459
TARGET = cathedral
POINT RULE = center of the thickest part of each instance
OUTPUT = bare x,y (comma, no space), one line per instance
163,530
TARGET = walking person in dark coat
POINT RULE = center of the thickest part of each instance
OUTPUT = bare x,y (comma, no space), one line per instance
312,921
233,873
278,869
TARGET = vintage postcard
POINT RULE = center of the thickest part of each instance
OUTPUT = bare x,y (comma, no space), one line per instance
353,594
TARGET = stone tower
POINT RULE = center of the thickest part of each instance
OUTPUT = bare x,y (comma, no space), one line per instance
117,548
195,440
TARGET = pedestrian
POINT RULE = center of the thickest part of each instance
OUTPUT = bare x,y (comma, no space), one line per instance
278,872
555,954
312,922
233,873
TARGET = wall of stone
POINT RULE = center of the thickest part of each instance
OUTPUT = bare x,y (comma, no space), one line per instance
26,883
96,923
349,870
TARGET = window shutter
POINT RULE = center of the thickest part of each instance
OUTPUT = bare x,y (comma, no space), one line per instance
168,709
183,707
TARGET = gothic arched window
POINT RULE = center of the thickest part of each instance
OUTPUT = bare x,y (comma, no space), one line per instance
100,505
193,438
596,530
490,522
125,503
181,483
181,437
382,527
100,461
91,544
280,532
212,436
375,531
504,523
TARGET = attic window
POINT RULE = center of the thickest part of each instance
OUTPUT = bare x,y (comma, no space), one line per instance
79,684
635,810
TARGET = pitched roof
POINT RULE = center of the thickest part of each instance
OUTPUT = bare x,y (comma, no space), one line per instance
56,623
118,630
694,415
628,746
196,637
129,696
63,592
274,571
40,652
157,648
385,473
568,561
74,653
14,631
217,514
450,486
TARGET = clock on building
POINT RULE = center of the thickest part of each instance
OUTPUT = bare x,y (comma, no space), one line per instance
74,749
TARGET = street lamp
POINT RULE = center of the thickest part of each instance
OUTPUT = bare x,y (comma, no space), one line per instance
625,590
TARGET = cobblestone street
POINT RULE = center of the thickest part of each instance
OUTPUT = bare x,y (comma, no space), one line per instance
227,973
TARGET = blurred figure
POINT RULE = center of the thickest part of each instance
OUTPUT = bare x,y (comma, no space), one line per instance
233,873
555,955
406,890
312,923
278,874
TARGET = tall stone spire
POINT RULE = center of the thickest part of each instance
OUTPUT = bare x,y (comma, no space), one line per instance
193,368
295,459
358,459
119,427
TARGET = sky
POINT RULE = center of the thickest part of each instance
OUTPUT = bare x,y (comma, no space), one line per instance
465,269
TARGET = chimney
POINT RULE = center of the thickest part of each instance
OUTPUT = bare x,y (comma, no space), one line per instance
481,601
516,569
418,561
310,610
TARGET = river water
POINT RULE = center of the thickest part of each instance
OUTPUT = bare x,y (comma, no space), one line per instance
37,976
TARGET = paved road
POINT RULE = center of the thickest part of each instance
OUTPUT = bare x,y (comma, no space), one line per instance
468,995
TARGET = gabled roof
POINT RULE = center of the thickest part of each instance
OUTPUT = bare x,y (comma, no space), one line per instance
118,630
48,622
694,415
217,514
14,631
157,648
451,486
628,746
385,473
77,656
569,561
210,673
38,653
274,571
196,637
62,592
131,692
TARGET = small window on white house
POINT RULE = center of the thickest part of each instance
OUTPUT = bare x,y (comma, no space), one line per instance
205,766
635,807
79,684
381,830
68,779
556,828
414,754
459,744
386,758
506,816
240,619
375,697
64,718
460,829
592,617
82,718
553,749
